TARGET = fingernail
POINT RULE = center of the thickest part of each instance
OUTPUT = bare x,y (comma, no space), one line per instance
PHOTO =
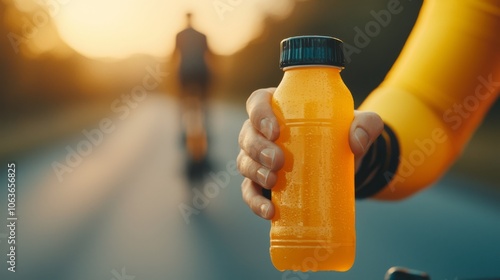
264,208
262,175
267,157
362,137
266,127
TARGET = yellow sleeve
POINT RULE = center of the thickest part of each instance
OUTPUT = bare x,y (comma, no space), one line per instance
439,89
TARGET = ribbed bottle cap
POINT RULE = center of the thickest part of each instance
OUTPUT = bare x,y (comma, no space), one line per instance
312,50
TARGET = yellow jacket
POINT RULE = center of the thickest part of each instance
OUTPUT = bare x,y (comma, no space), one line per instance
439,89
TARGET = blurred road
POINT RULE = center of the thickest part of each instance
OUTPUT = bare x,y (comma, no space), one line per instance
115,214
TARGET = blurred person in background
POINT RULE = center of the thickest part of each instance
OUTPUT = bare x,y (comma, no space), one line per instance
411,128
192,51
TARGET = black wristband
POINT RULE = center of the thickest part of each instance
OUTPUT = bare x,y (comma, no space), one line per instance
381,158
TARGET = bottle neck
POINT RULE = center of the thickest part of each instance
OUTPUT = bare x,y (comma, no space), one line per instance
335,68
312,71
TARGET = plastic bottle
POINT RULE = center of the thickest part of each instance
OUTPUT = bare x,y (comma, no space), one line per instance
313,227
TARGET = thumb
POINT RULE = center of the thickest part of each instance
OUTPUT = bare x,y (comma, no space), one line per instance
365,128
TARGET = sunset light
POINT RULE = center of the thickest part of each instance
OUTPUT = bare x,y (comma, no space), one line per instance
118,28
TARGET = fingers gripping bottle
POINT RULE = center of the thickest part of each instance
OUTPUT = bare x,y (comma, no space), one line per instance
313,226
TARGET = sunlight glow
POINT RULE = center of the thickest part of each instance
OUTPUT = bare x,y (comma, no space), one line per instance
120,28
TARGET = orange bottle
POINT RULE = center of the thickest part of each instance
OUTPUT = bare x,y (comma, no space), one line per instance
313,227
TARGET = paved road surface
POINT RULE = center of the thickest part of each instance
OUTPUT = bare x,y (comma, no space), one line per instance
116,214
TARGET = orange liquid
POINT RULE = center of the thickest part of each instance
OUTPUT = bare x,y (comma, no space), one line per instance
313,227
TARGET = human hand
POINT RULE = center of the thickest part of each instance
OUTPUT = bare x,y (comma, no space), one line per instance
260,158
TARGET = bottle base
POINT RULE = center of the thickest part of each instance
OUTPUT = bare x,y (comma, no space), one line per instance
318,257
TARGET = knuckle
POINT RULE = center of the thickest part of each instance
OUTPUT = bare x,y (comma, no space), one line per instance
257,116
373,117
243,188
255,154
251,98
370,116
251,169
245,191
243,132
255,205
244,165
247,166
253,143
376,123
239,160
259,106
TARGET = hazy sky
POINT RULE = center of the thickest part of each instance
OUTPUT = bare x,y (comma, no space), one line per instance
118,28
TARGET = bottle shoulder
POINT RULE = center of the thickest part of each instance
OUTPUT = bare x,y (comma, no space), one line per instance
312,88
299,99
